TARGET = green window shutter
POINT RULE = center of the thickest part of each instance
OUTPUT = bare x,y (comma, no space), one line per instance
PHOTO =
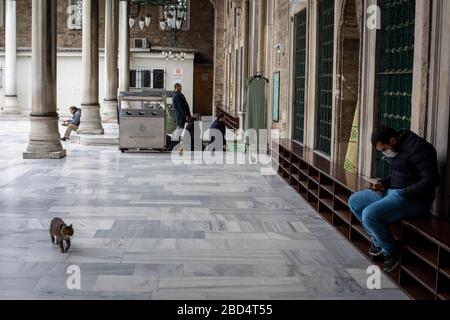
300,80
395,74
325,76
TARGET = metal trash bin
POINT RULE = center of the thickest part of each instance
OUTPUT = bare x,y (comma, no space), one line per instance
142,129
143,125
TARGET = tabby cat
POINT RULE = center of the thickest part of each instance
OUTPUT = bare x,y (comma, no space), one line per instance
60,232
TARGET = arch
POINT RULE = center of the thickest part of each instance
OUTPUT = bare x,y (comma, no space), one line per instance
350,30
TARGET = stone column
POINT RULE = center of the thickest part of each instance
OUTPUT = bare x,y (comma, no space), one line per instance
438,126
91,122
219,53
11,105
244,69
261,34
124,47
109,110
44,135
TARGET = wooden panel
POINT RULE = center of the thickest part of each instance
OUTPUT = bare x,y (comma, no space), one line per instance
230,121
436,230
203,89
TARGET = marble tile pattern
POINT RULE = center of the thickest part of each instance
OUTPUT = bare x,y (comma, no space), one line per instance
146,228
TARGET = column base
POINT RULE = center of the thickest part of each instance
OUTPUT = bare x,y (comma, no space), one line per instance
90,131
44,155
91,122
11,105
44,139
109,111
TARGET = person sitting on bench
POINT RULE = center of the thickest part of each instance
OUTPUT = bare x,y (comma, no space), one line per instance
73,124
408,192
219,126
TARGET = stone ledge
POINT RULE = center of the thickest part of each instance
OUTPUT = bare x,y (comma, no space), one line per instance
98,132
89,140
44,155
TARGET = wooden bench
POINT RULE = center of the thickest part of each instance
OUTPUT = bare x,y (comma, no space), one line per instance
230,121
424,270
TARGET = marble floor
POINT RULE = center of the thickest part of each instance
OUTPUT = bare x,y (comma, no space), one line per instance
146,228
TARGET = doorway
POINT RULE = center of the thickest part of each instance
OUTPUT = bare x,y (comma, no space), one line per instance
203,89
349,72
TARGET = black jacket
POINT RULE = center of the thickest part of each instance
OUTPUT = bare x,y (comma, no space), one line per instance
194,128
415,169
181,107
220,126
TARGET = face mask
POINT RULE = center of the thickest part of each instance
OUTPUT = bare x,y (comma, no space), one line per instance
390,154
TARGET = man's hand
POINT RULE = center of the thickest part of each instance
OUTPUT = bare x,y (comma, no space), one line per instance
378,188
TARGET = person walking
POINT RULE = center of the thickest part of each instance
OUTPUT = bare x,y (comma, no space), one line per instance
182,111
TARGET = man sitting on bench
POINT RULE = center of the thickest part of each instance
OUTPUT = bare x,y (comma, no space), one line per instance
409,191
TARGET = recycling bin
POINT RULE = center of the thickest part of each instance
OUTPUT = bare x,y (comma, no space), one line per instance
142,129
142,121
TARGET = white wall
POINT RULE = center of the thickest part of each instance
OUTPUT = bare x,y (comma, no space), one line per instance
23,81
139,60
69,82
69,77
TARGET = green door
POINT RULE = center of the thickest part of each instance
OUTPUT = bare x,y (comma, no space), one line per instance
395,71
325,76
299,78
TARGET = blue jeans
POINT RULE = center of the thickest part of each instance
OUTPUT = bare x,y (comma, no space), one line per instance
377,211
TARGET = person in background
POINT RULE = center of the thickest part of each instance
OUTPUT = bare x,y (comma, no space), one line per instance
219,124
408,192
194,128
182,110
73,124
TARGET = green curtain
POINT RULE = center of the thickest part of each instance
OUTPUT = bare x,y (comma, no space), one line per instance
171,124
255,117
